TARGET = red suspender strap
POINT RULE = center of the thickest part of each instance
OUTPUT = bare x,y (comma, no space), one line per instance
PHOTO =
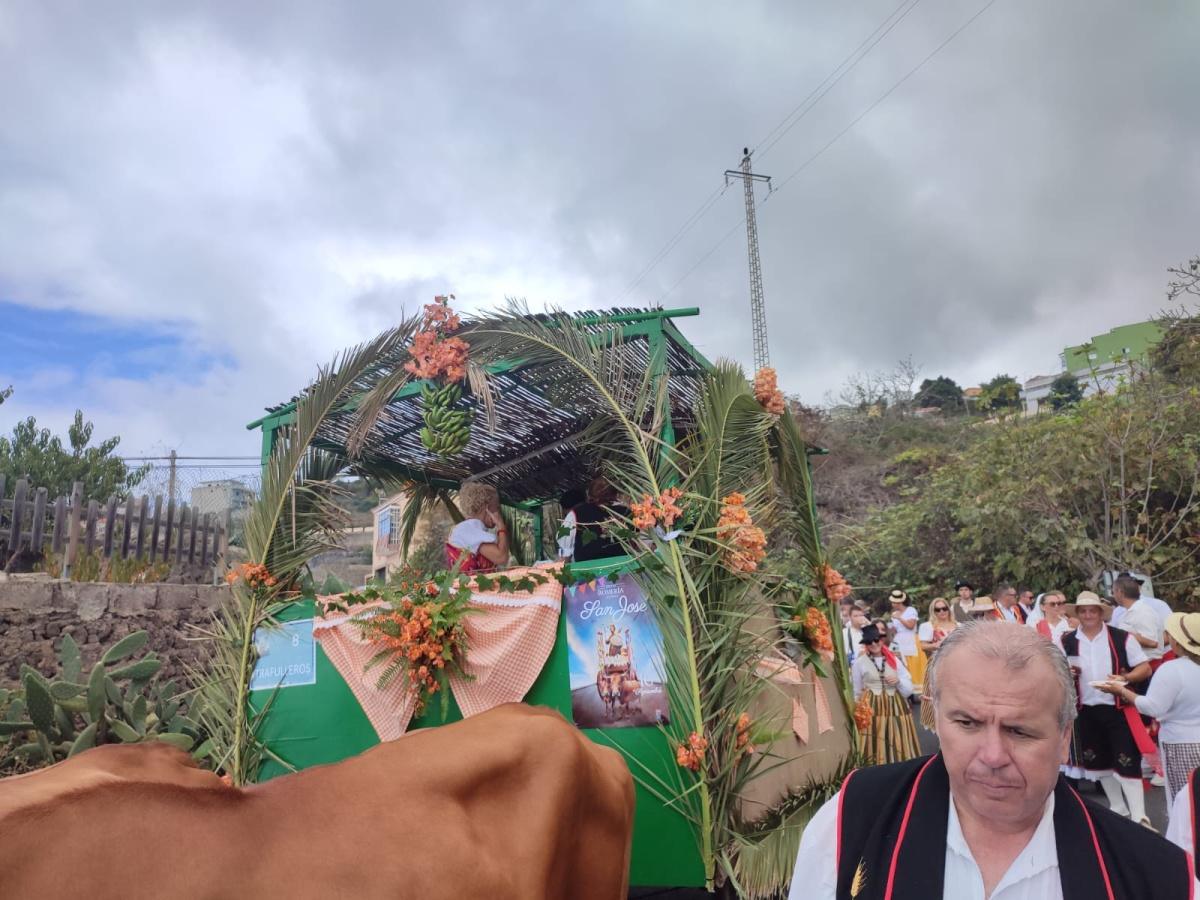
912,796
1095,845
1191,786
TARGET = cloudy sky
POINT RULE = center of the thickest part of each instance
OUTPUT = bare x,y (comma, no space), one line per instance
200,203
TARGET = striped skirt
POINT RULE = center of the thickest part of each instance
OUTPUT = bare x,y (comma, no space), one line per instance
892,735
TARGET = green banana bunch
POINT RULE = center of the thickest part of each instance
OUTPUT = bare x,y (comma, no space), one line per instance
447,430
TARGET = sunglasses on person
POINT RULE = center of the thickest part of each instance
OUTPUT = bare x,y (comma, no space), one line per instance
1054,603
941,609
869,643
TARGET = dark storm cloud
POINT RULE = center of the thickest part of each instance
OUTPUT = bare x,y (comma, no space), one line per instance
279,180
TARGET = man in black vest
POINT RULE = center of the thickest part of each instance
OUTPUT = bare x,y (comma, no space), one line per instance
988,816
1108,749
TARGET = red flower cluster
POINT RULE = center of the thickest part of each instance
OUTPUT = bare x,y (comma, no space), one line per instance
836,587
818,632
255,575
691,754
435,354
767,392
661,511
743,734
862,712
735,527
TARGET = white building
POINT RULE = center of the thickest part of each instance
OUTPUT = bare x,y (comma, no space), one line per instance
217,497
1105,377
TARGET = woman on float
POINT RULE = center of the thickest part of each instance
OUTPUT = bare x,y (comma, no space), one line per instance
479,543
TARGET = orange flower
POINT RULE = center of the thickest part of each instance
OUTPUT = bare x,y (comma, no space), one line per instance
767,393
254,574
863,713
836,587
748,543
434,354
742,742
817,630
668,509
691,755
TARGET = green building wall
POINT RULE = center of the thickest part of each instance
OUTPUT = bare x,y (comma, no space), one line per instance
1123,342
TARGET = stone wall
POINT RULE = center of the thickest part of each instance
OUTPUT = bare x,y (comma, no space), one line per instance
36,613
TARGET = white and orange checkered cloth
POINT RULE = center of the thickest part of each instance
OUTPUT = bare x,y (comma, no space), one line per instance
509,639
781,670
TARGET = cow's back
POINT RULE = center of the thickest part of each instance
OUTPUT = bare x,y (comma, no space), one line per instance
512,803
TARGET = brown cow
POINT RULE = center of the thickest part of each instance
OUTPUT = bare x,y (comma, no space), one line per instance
513,803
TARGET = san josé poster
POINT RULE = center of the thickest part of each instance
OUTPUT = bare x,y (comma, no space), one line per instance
616,656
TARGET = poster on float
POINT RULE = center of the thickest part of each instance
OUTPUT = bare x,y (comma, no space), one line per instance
618,679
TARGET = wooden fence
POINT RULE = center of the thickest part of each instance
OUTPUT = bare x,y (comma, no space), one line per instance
137,528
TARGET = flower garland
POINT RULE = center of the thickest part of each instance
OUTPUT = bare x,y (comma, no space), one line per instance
438,357
863,713
767,392
747,542
420,632
804,618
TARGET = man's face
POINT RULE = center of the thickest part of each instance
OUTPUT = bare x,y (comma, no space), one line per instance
858,618
1008,597
846,613
1000,737
1026,599
1089,616
964,593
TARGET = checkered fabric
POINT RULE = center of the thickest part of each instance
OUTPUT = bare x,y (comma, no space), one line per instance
1179,760
782,670
509,639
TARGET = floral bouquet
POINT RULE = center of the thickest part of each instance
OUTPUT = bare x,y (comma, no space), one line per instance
804,619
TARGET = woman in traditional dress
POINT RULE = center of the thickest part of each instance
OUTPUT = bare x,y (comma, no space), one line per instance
881,678
941,623
1053,621
479,543
1174,699
904,622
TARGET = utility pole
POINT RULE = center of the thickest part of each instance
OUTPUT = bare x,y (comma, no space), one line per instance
758,308
171,482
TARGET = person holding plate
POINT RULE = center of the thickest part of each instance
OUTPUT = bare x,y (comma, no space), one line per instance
1097,653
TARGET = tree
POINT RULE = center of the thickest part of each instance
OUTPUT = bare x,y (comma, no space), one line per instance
1177,355
1065,392
34,453
879,392
5,393
942,392
1001,394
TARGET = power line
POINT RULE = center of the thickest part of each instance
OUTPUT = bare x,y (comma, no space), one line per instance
862,115
936,50
857,55
841,70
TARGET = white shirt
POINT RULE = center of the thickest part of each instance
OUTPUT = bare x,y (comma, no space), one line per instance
1140,618
1117,617
469,535
1095,664
566,543
1174,699
1009,612
1033,875
1056,631
1160,609
1179,825
865,675
853,639
906,631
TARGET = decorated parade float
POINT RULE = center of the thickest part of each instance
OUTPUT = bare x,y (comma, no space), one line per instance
708,664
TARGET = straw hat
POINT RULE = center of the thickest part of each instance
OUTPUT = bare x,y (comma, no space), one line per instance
1088,598
982,605
1185,628
898,596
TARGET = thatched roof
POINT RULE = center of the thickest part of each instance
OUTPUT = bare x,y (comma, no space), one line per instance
532,454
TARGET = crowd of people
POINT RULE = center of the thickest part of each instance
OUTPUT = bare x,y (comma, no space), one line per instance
1135,677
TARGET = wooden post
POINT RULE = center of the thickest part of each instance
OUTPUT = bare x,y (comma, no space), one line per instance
223,551
93,514
183,511
154,530
60,525
73,528
110,522
204,539
127,528
37,532
192,542
141,525
18,510
170,529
